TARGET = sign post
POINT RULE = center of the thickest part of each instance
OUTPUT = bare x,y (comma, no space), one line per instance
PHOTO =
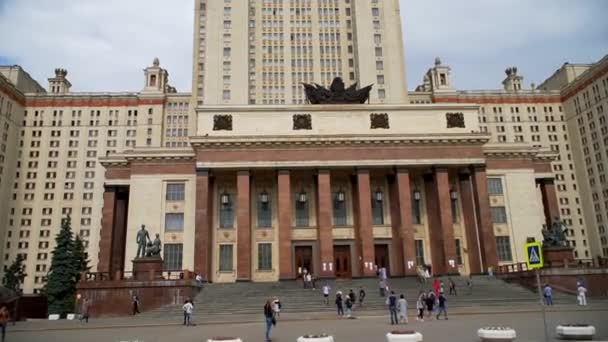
534,261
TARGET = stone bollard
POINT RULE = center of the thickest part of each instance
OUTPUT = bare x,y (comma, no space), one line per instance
497,334
316,338
579,332
225,339
403,336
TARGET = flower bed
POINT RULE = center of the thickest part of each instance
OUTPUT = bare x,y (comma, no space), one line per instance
575,331
224,339
53,317
316,338
497,334
403,336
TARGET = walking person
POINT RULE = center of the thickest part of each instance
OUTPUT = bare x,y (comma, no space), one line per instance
4,318
187,307
420,304
135,304
441,308
349,306
548,294
269,318
352,296
361,295
309,281
430,303
339,303
305,278
84,311
452,287
276,307
326,290
392,307
402,309
436,287
470,284
382,288
582,294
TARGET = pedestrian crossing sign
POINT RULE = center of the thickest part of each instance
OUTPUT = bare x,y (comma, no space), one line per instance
534,255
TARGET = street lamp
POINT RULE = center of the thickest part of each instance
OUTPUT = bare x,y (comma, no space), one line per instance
264,197
302,197
453,194
340,196
416,195
225,198
379,195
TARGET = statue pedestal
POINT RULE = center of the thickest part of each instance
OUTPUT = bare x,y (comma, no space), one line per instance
558,256
148,268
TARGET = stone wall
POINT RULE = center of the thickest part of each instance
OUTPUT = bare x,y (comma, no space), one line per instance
564,279
114,297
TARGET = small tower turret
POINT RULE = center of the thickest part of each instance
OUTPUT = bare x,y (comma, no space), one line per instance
157,78
60,84
438,78
513,81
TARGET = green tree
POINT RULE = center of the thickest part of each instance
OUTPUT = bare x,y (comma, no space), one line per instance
14,275
60,287
81,264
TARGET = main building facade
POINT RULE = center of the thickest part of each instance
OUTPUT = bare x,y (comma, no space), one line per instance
243,180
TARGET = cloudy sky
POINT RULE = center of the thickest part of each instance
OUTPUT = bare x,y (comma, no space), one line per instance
105,44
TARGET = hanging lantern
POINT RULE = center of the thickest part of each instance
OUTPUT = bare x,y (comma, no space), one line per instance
225,198
302,197
264,197
416,195
378,195
453,194
340,196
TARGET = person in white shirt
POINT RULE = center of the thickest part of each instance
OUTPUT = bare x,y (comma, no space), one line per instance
188,307
309,280
276,307
582,295
326,290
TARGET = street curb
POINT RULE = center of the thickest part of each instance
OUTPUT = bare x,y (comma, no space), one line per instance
318,318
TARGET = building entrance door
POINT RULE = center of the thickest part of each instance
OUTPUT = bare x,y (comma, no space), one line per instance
342,262
303,257
382,257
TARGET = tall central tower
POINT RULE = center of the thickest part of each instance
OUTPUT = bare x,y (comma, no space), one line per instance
260,51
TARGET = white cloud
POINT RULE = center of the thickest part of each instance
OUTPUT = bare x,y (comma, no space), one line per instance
106,44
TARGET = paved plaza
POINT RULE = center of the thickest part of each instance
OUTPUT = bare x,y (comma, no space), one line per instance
460,327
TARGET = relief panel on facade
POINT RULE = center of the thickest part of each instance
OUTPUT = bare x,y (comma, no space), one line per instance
343,233
222,122
302,121
379,120
455,120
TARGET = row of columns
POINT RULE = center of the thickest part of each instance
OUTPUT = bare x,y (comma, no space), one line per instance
477,219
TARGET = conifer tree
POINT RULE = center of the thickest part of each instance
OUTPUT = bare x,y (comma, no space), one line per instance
81,264
60,287
14,275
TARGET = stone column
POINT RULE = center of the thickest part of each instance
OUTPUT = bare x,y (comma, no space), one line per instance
447,225
243,222
397,256
286,261
324,224
107,229
406,227
470,220
119,237
365,231
203,243
550,206
484,217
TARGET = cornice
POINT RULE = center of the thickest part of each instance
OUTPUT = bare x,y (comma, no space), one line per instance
333,108
146,155
518,151
338,140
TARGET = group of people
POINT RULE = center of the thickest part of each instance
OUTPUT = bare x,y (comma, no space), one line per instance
308,280
345,301
434,303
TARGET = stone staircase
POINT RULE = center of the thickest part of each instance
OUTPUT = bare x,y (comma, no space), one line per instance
249,298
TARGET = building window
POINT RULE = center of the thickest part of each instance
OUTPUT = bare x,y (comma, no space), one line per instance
499,215
339,208
459,252
503,245
495,186
226,211
226,258
265,256
377,208
264,211
174,222
173,256
420,252
175,192
302,210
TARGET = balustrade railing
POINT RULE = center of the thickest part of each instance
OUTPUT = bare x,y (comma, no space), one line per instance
132,276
